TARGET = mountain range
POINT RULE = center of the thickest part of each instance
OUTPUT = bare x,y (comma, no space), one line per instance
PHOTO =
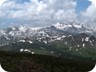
66,40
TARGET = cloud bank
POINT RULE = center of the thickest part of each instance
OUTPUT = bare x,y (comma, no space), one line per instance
89,15
45,12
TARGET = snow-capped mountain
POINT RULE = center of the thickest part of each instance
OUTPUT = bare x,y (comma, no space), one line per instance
14,34
64,46
73,27
58,39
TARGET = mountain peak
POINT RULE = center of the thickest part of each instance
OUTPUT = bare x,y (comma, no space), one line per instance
67,25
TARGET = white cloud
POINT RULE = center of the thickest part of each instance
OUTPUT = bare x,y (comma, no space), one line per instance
38,9
1,2
46,10
89,15
66,15
94,2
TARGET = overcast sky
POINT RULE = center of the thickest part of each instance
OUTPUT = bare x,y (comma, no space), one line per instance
46,12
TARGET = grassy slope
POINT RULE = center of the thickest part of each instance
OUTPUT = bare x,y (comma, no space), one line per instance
24,62
57,48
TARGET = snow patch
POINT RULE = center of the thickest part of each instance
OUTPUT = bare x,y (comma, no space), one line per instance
7,38
45,42
30,42
62,26
83,45
22,41
63,36
77,26
82,39
26,50
76,49
87,39
21,50
32,52
69,35
59,38
22,28
78,45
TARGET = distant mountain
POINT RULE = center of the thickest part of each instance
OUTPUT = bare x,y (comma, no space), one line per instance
65,46
73,27
14,34
64,40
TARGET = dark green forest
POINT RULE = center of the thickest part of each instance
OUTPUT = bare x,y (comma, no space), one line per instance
26,62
